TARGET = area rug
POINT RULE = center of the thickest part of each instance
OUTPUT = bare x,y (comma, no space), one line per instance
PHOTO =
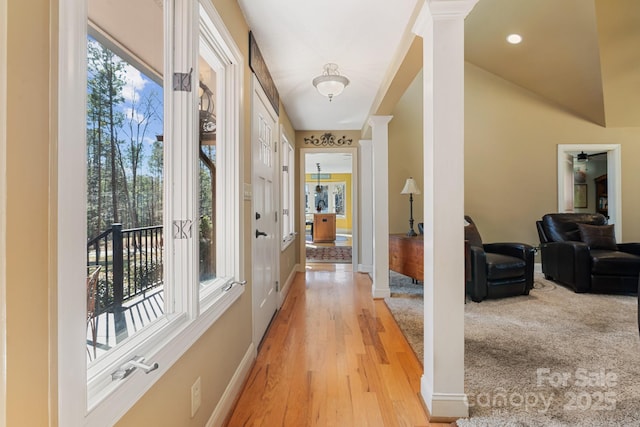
553,358
329,254
339,238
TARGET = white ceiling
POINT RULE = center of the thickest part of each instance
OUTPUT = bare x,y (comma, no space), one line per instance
579,54
297,38
329,162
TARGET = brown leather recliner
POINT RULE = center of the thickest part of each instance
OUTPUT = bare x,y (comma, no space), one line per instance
580,251
497,269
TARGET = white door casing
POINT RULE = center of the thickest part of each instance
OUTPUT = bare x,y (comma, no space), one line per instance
264,232
568,183
354,207
614,181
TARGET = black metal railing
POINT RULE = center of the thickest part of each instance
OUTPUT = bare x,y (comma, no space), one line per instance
131,262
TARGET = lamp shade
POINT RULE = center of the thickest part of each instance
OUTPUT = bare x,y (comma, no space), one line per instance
410,187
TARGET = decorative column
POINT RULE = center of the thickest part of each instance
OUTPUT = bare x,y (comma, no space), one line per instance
380,212
441,25
365,263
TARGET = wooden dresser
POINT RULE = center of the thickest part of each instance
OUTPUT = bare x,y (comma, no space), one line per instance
324,227
406,255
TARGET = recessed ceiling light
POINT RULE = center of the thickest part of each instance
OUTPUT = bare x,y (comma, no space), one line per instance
514,38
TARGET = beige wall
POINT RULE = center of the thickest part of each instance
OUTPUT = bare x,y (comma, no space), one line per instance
28,231
405,158
511,138
30,275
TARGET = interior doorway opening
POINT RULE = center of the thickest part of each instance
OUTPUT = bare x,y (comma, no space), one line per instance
328,205
589,178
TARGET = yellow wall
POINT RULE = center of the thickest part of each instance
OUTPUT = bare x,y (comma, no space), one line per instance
347,221
511,138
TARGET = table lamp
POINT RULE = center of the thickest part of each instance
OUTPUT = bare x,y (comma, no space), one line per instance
410,188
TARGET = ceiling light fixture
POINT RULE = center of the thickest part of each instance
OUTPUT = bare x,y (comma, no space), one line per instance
330,83
514,38
318,187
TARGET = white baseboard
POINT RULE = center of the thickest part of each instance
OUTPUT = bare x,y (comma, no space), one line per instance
225,405
299,268
287,285
381,293
443,405
449,405
363,268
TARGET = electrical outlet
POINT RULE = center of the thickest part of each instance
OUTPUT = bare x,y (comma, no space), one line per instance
196,397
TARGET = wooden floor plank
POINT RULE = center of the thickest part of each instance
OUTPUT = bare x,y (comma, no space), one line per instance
332,357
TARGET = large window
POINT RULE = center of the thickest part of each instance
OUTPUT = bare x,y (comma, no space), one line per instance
124,199
160,199
330,199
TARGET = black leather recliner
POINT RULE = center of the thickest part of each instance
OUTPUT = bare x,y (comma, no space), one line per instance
497,269
579,250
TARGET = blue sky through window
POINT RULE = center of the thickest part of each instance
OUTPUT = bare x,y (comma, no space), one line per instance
137,91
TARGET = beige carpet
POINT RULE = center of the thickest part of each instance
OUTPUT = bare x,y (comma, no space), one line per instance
407,308
553,358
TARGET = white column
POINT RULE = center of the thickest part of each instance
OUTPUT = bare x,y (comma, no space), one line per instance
365,263
441,25
380,212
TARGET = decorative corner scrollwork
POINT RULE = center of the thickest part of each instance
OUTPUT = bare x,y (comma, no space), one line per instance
328,139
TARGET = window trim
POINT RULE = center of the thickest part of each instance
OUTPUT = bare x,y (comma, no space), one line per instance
287,158
192,319
330,185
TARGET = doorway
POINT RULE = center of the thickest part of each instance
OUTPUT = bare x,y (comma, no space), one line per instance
328,194
589,180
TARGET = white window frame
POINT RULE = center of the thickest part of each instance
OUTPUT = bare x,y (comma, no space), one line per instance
331,185
287,185
89,396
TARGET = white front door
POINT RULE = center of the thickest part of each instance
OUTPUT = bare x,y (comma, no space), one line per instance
264,233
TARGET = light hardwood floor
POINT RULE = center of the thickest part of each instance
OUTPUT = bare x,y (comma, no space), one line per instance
332,357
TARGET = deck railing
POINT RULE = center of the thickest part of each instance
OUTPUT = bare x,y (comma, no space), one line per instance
131,263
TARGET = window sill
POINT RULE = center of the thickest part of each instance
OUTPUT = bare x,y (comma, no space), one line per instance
106,408
288,241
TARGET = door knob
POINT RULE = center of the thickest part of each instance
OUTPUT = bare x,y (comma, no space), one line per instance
257,215
260,233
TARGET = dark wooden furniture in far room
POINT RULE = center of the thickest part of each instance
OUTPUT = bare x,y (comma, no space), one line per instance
602,201
406,255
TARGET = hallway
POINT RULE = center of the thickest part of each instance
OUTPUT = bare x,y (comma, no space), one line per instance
332,357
